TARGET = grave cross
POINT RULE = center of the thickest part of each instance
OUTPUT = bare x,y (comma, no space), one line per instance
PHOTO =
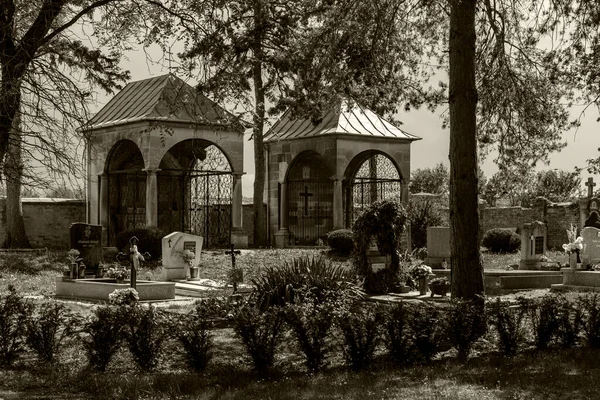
306,195
590,184
233,253
134,257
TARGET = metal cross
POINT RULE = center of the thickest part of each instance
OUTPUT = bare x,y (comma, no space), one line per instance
134,257
590,185
306,195
233,253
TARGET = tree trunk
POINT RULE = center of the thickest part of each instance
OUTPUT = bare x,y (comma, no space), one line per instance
467,269
260,234
16,237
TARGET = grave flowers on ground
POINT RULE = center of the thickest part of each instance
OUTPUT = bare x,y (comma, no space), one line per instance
420,273
121,297
439,286
574,246
119,273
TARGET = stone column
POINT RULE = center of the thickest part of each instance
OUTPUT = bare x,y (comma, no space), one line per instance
103,208
238,237
338,204
282,236
151,198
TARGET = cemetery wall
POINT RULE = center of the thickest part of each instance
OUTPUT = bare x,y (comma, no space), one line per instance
559,218
47,221
506,217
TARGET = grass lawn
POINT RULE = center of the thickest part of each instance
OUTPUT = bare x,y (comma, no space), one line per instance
553,374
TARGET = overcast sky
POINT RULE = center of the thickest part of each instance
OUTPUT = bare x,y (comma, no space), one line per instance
433,148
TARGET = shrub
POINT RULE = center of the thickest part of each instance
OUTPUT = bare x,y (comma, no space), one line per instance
509,324
261,333
543,314
311,321
150,240
426,331
589,304
397,336
360,330
569,319
48,328
466,323
144,333
341,241
276,286
501,241
193,331
104,335
422,214
14,312
380,282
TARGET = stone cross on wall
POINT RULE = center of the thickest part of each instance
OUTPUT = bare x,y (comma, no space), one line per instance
590,185
134,257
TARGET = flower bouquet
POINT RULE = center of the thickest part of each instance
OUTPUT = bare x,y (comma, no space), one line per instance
188,256
420,271
118,273
574,246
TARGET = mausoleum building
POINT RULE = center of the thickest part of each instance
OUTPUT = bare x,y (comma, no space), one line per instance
162,155
319,177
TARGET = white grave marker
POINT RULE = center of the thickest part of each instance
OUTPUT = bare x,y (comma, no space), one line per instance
174,268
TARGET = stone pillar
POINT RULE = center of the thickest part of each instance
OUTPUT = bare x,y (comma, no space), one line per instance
151,198
583,212
238,236
338,204
282,237
103,208
404,188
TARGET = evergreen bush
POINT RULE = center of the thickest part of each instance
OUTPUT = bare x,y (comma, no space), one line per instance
589,304
144,333
465,324
501,241
14,313
509,325
103,336
360,327
397,336
340,241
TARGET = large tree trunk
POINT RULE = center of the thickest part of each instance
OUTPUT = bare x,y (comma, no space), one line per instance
260,234
467,269
16,237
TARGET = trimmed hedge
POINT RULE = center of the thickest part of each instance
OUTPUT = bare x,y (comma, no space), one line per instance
501,241
341,241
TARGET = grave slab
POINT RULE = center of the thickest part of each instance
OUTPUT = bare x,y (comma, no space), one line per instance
438,246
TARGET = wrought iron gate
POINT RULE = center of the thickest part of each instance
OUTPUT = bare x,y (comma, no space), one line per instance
310,211
376,179
127,201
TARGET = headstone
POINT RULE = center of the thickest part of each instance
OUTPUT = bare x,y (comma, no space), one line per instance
174,268
88,240
438,246
533,245
591,246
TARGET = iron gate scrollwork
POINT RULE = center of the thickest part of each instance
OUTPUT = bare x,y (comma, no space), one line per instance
377,178
127,201
210,199
310,211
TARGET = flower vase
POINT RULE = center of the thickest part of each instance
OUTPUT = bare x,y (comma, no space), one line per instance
573,260
120,280
74,270
423,285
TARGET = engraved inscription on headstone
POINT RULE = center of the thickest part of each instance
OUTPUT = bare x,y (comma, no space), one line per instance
88,240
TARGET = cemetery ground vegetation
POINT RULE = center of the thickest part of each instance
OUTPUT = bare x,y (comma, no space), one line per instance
402,351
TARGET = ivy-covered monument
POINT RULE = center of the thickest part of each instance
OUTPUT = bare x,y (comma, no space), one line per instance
320,177
161,155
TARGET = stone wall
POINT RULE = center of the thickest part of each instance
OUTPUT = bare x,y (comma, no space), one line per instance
47,221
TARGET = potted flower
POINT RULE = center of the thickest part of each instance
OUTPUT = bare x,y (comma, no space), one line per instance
74,259
118,273
574,246
440,286
420,273
188,257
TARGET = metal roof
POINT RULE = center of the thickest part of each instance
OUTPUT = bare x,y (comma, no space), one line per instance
342,118
161,98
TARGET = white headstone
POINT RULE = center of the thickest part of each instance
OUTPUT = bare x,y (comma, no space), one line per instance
174,267
591,246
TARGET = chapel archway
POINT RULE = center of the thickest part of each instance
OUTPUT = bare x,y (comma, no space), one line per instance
310,199
195,187
370,176
126,188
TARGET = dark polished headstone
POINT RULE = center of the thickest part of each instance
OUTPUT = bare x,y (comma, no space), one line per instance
88,240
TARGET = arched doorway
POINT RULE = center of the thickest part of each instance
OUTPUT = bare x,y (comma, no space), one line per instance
310,200
126,189
195,192
371,176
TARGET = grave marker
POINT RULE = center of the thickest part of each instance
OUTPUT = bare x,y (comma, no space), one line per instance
591,246
533,245
88,240
438,246
174,268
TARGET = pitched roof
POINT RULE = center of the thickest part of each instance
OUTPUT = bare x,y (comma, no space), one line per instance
342,118
161,98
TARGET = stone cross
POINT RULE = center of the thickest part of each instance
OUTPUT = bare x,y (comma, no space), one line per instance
233,253
590,185
134,257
